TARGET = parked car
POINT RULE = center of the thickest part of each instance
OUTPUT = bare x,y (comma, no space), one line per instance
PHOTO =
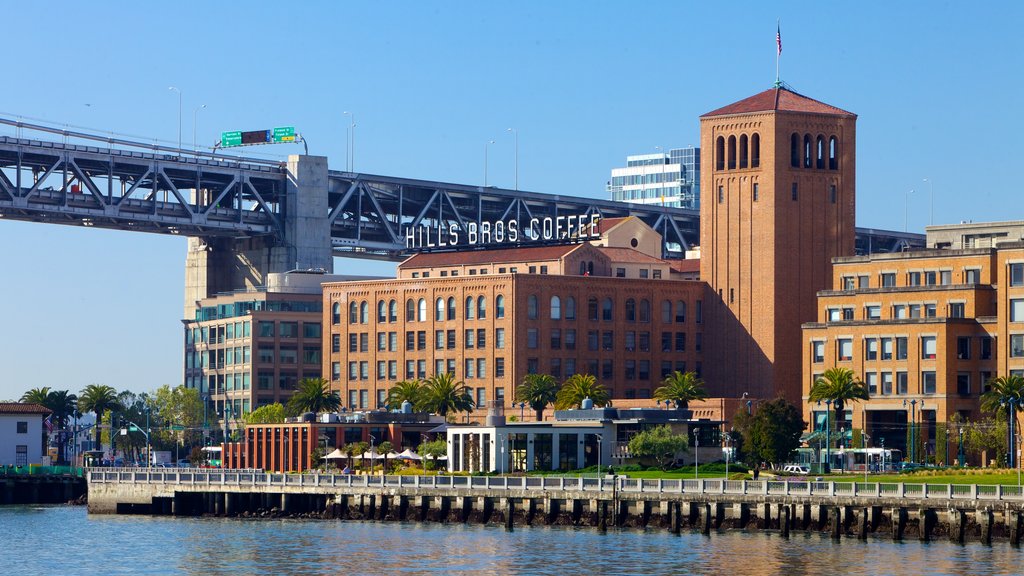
798,469
184,463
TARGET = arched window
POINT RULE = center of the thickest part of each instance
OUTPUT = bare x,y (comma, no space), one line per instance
583,267
755,150
364,312
570,308
732,152
630,310
666,311
336,313
820,149
807,151
606,310
833,153
590,268
592,309
451,308
645,310
720,153
531,307
470,307
410,310
421,308
794,150
556,308
499,306
680,311
353,313
382,311
744,151
392,311
481,308
439,310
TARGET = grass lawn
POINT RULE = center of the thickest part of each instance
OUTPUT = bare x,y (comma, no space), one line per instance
987,477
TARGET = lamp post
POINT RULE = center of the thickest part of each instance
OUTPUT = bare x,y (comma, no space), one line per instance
515,132
906,208
931,199
1012,433
882,469
522,411
913,431
486,145
842,447
600,437
172,88
372,439
828,435
728,450
195,118
960,448
350,142
696,450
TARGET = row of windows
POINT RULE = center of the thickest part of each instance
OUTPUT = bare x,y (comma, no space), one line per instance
218,334
360,399
605,310
889,348
813,152
749,152
475,309
473,368
605,369
914,278
605,340
238,355
417,340
901,311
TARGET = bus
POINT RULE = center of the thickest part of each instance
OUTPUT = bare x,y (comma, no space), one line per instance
874,459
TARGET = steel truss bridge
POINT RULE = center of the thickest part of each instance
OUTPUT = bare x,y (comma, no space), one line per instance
128,185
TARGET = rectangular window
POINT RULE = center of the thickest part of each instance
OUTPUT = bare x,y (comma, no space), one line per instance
499,367
697,341
901,383
845,348
353,342
721,195
556,368
873,312
353,370
481,368
481,338
451,366
382,341
410,369
847,313
1016,345
915,310
963,383
335,343
871,380
666,341
644,273
438,339
607,370
871,349
421,369
929,310
364,342
680,341
901,347
899,311
886,348
972,276
818,352
619,273
570,367
986,348
556,339
481,397
392,370
608,340
956,309
451,339
930,278
833,314
886,383
22,427
863,282
888,279
470,368
795,190
592,340
531,338
928,382
963,348
570,339
1017,310
755,192
645,342
410,341
913,278
266,329
945,277
499,338
630,341
700,311
848,282
382,370
927,347
832,193
470,338
364,370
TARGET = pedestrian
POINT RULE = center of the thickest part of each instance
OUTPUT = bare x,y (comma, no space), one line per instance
757,472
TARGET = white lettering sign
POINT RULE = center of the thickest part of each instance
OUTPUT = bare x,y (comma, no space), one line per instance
571,228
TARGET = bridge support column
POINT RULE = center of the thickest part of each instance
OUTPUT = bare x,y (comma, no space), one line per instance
1013,525
510,515
957,520
784,521
926,521
986,520
899,523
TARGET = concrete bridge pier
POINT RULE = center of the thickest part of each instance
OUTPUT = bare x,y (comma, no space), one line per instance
986,520
575,511
705,527
550,511
836,526
957,520
926,522
465,507
402,504
486,506
444,508
784,521
898,517
383,508
1013,522
675,520
740,515
862,524
510,514
219,504
602,518
530,505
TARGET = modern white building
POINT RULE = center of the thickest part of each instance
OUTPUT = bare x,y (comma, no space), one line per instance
21,433
662,179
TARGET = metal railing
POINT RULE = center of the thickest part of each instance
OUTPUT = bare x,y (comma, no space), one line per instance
554,484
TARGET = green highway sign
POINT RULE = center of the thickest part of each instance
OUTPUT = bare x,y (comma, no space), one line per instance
177,428
284,134
228,139
134,428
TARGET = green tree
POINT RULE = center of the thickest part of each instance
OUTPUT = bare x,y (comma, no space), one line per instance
351,449
36,396
268,414
659,443
405,390
537,390
179,406
841,387
442,395
432,450
578,387
98,398
360,449
772,433
988,435
314,395
384,448
1003,392
681,388
64,405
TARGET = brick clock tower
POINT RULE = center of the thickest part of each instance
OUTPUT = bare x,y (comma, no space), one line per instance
777,204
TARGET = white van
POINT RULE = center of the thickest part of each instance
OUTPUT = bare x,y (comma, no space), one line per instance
798,469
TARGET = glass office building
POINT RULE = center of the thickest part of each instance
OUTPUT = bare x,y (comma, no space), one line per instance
671,179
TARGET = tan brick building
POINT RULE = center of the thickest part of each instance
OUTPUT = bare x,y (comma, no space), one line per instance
777,205
924,330
494,322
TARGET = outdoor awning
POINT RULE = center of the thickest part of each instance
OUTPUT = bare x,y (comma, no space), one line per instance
336,455
408,454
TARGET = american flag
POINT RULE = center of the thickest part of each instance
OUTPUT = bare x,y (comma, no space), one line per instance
778,40
48,422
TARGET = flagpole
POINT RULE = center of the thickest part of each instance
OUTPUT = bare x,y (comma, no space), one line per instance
778,50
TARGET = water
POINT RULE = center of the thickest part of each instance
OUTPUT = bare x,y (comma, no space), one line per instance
58,539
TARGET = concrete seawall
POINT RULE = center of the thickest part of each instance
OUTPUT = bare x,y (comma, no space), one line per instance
40,489
706,506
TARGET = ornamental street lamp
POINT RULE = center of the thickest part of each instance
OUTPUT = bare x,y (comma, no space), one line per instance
960,448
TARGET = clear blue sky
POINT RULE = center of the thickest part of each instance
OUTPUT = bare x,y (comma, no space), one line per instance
936,85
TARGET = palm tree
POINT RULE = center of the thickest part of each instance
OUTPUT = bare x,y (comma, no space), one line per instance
537,390
1004,391
578,387
406,390
385,448
98,398
443,394
63,404
36,396
681,388
314,395
841,386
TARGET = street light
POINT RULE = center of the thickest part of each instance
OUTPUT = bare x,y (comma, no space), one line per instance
960,448
515,132
728,450
350,142
913,431
696,455
195,114
179,113
931,199
522,411
372,439
486,144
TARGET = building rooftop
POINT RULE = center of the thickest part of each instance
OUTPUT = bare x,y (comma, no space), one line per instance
629,255
778,99
606,224
477,257
684,266
23,408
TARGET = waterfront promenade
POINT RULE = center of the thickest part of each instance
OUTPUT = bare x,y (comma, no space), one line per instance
845,509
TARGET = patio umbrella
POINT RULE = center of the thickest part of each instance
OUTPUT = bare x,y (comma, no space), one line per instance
373,455
336,455
408,454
